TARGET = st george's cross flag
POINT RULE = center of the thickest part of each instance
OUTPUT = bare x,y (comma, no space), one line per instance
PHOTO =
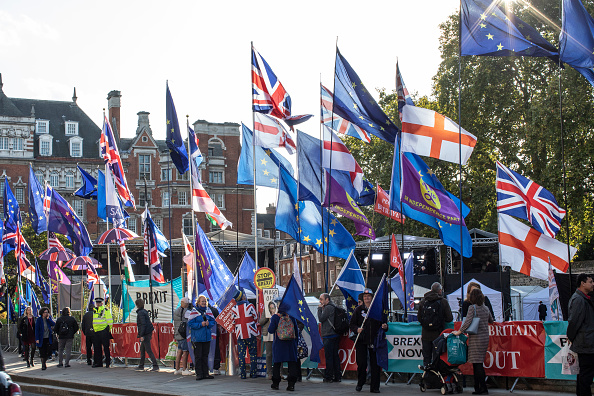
201,202
528,251
270,133
430,134
524,199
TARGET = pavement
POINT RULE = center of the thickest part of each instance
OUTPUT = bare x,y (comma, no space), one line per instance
81,379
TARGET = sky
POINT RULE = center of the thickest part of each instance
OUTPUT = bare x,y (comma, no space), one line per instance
203,49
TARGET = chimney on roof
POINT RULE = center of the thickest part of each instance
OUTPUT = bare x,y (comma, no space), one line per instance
32,111
1,84
113,106
74,96
143,123
271,209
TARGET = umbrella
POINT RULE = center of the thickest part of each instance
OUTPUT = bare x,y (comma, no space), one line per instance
82,263
57,254
114,235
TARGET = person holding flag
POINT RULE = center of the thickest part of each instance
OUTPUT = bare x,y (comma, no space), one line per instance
284,347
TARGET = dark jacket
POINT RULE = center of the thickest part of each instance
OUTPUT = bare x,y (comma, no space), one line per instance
370,328
283,350
143,323
24,330
39,330
467,304
86,326
542,311
70,322
326,318
580,324
430,334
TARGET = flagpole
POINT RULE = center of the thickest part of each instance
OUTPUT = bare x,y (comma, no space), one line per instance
148,256
460,150
405,302
341,271
169,176
108,252
195,268
254,166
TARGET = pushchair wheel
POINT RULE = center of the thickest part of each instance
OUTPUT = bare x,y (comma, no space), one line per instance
444,390
423,387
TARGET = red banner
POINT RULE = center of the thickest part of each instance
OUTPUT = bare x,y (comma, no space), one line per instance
382,205
516,349
225,318
344,348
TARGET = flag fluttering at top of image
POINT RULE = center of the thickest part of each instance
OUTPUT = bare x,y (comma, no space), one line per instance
36,214
173,139
576,40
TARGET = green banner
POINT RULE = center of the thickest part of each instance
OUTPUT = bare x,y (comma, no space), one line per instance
556,332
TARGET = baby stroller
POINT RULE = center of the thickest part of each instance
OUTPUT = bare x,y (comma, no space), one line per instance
440,373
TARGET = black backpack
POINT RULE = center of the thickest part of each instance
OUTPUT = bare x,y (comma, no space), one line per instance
64,330
341,321
431,317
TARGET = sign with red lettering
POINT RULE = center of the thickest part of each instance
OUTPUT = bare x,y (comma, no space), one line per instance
344,349
225,318
382,205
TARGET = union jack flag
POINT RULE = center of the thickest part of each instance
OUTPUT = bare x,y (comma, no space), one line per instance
111,156
150,250
268,94
332,117
521,197
270,133
92,276
403,94
246,320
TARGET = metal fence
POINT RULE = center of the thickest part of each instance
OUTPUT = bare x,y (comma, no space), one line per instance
9,340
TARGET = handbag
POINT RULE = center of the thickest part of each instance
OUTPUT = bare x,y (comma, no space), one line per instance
473,328
457,349
569,361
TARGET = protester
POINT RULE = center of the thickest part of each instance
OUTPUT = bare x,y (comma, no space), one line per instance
145,334
284,348
87,329
200,326
580,332
216,333
367,329
43,335
102,322
542,311
477,343
268,338
434,312
26,333
245,319
65,328
179,318
326,313
467,303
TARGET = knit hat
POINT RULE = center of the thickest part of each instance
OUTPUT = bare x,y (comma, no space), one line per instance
239,295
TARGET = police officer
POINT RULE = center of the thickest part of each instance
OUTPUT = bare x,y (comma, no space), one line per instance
102,322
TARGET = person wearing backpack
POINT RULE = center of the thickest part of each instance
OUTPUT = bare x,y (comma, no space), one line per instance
326,316
65,328
434,312
284,348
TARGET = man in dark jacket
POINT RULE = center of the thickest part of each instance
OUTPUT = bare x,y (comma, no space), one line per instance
326,312
87,329
580,331
145,333
434,312
66,327
542,311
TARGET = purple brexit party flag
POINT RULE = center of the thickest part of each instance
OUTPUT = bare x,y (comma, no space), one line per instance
422,196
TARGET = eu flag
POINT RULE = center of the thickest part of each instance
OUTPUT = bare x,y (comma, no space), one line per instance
211,267
11,206
352,94
576,41
175,143
490,31
294,305
379,311
303,221
88,190
267,162
38,219
63,220
245,275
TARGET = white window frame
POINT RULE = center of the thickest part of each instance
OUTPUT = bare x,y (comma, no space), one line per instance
40,177
132,224
259,232
187,225
159,223
71,142
184,195
69,176
54,183
18,144
165,173
71,128
266,233
2,184
219,200
165,199
19,194
46,138
4,143
331,280
142,165
79,208
319,279
216,180
277,234
38,127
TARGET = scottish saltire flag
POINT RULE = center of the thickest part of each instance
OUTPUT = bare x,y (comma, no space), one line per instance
490,31
267,162
448,232
88,190
334,240
195,153
349,89
294,305
245,275
418,192
521,197
554,300
268,94
112,202
175,143
576,41
402,93
404,289
351,283
201,202
270,133
63,220
111,156
36,214
211,267
337,116
337,156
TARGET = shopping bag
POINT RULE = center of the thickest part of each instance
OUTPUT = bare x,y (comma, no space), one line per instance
171,351
569,361
457,349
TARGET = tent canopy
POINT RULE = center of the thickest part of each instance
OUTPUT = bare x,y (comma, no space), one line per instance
493,295
531,302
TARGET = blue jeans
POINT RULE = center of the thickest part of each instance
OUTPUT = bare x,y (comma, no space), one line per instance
332,360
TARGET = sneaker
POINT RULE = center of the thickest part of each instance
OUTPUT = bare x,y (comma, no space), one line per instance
139,368
186,372
66,365
177,372
60,365
209,377
155,368
216,372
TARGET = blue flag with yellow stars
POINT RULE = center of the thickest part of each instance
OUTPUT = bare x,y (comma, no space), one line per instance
365,112
576,41
175,143
303,221
490,31
88,190
211,268
294,305
63,220
36,214
245,275
267,162
379,311
351,283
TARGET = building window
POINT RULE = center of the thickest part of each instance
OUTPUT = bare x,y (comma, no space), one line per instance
215,149
215,177
277,235
132,224
165,199
75,149
145,139
144,166
319,279
158,223
188,226
44,148
69,180
185,176
142,201
71,128
39,176
309,286
79,208
308,263
19,193
266,233
17,144
42,126
4,143
2,184
259,232
165,174
331,277
54,179
219,200
182,198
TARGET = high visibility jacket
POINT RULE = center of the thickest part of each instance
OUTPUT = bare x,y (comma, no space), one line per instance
101,318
